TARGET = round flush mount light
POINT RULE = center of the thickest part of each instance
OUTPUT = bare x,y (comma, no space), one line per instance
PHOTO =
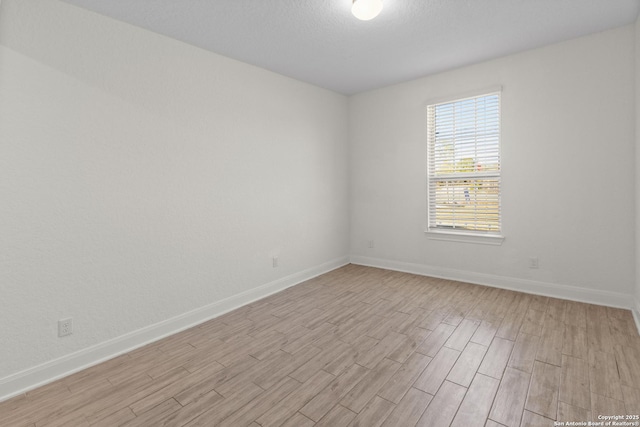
365,10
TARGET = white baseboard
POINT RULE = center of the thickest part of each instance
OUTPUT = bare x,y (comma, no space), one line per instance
45,373
574,293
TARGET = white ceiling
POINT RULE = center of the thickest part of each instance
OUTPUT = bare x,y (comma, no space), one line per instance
320,42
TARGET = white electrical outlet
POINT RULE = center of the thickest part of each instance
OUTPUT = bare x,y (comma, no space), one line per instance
275,261
65,327
371,244
533,262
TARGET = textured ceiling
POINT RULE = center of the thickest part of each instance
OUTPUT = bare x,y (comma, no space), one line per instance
320,42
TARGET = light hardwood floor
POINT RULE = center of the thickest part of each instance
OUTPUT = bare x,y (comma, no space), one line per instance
364,347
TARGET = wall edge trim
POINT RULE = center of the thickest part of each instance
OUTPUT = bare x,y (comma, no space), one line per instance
636,314
28,379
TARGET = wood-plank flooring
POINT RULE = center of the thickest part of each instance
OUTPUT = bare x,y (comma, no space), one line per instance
361,346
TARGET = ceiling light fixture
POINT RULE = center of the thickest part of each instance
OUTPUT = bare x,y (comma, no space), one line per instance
365,10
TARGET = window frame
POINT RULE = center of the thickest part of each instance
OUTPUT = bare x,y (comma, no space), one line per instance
462,234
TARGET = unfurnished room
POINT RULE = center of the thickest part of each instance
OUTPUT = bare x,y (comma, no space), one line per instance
319,213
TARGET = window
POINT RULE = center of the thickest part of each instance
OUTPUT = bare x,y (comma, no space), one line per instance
464,166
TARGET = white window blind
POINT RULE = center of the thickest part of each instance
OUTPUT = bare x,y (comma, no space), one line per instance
464,165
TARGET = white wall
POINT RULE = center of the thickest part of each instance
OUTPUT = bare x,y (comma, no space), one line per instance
142,178
568,172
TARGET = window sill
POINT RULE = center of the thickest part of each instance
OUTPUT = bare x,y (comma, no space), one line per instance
482,239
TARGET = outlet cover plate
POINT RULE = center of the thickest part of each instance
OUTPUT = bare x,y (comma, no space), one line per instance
65,327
